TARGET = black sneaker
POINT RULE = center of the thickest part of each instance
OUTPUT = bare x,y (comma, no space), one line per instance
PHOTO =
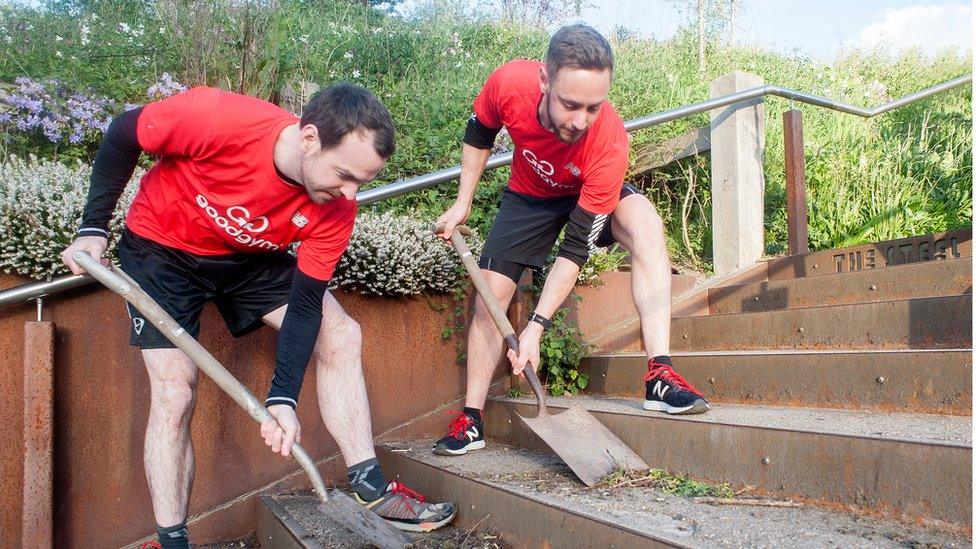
669,392
465,434
408,510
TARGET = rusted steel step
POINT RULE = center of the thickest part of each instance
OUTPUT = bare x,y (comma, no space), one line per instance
534,500
929,323
916,249
917,280
294,521
923,381
913,466
524,519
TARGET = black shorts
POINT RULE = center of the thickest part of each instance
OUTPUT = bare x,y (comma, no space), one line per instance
245,287
526,228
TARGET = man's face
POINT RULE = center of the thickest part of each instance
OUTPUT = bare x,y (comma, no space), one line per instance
339,171
572,100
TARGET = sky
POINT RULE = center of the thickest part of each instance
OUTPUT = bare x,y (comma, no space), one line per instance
819,29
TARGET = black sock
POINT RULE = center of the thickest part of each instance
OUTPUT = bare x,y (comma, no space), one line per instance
173,537
367,479
662,359
473,413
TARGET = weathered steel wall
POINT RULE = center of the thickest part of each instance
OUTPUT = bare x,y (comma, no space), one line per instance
101,402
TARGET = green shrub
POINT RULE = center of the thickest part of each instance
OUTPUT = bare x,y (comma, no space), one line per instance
903,172
560,352
391,255
41,203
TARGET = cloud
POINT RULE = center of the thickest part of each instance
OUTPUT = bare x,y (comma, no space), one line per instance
929,27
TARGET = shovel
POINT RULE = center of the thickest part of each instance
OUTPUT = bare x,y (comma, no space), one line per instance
337,505
587,447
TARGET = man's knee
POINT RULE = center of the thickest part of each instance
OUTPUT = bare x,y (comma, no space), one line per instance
338,331
643,225
173,384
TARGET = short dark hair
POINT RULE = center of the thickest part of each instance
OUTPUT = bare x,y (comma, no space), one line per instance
343,108
578,47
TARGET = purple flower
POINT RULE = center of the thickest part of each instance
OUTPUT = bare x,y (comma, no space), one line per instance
165,87
4,117
33,106
77,134
52,130
102,125
28,123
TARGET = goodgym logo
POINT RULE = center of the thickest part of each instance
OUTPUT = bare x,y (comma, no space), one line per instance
237,222
543,169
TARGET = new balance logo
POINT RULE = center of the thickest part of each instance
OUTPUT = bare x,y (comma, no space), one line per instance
299,220
472,433
660,389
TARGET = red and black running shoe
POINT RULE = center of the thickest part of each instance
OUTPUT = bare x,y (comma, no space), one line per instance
669,392
465,433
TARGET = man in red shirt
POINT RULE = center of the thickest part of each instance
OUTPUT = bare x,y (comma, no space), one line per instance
570,159
236,182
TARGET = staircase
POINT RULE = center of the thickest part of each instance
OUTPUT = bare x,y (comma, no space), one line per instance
840,384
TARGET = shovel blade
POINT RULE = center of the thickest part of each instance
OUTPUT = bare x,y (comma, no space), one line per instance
344,510
590,449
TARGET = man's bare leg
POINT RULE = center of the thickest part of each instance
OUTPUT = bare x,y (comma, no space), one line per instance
484,341
168,450
466,431
639,229
637,226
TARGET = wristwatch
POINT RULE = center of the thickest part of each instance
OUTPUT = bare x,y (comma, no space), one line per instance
545,322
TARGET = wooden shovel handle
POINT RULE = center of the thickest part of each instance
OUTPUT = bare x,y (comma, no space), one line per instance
119,282
494,309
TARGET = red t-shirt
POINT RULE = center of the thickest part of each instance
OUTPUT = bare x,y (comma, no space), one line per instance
543,166
215,190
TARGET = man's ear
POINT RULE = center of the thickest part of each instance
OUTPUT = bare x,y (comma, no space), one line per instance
310,139
543,79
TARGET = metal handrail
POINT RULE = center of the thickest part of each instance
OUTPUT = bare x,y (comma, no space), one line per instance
34,290
499,160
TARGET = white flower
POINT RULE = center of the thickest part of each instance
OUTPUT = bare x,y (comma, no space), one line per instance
58,54
58,38
347,55
124,28
355,73
671,78
8,39
162,30
303,39
42,190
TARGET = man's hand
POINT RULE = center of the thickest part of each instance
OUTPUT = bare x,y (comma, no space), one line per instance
529,341
454,216
94,245
282,432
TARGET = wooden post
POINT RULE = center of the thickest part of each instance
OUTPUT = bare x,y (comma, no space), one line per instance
738,187
37,519
796,183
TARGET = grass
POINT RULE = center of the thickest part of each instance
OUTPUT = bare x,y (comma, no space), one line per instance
668,483
907,172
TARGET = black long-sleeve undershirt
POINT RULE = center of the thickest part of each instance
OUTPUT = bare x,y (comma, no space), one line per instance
296,341
116,160
478,135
